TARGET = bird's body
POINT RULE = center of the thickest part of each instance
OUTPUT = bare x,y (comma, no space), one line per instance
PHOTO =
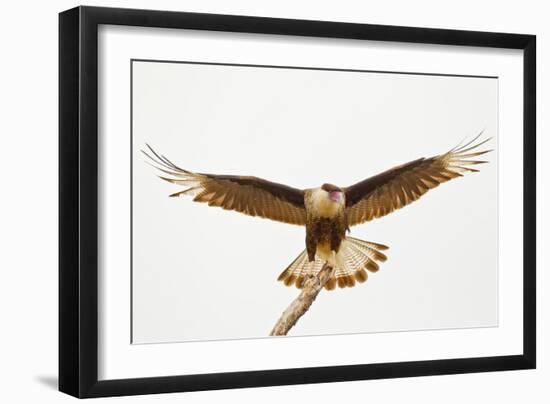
326,226
327,212
325,220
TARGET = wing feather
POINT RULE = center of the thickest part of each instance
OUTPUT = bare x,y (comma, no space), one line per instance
395,188
249,195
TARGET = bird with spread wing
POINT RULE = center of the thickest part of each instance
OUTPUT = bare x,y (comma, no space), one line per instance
327,212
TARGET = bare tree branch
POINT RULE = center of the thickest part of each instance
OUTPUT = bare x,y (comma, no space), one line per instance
299,306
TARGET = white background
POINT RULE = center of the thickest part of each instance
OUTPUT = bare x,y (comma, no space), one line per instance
29,219
201,273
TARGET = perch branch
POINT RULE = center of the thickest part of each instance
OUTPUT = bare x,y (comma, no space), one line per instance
299,306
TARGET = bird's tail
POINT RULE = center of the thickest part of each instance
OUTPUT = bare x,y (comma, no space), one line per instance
353,260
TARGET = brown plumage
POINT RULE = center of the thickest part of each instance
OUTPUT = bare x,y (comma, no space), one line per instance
397,187
327,212
249,195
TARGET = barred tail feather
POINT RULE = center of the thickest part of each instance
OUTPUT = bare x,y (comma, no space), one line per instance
354,259
299,269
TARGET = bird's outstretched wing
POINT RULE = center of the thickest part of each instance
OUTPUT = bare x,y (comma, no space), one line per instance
249,195
382,194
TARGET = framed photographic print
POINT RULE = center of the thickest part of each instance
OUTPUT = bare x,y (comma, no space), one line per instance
250,201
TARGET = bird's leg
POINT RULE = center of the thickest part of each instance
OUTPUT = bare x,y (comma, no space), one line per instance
332,263
332,259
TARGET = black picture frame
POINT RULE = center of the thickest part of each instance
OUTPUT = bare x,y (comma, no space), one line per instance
78,201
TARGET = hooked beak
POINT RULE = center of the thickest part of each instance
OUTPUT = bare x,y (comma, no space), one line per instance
336,196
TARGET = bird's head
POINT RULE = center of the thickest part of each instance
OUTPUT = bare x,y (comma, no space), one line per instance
334,193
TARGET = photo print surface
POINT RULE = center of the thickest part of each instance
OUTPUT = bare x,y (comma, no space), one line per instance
377,173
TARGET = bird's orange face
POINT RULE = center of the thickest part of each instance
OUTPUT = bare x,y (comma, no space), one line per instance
336,196
335,193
